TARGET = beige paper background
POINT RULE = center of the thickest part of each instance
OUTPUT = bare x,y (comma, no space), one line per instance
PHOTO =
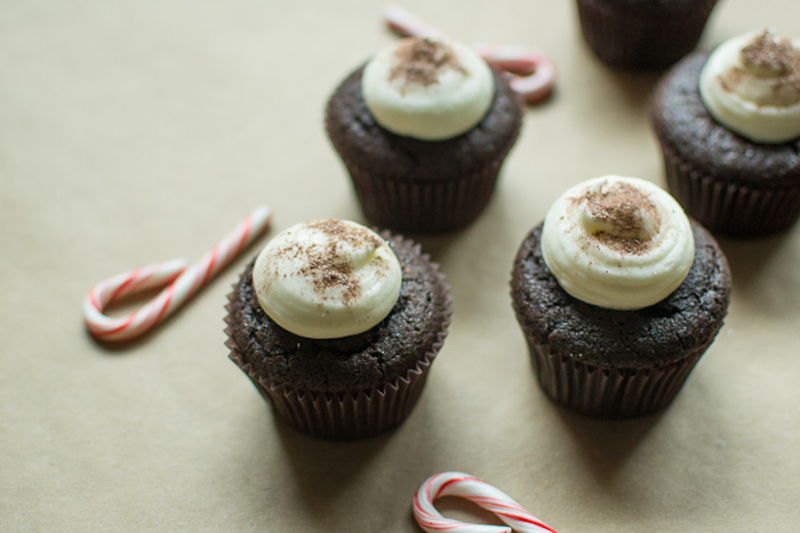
141,131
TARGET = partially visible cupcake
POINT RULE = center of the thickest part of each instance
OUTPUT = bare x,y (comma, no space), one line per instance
729,128
423,129
643,34
337,327
618,295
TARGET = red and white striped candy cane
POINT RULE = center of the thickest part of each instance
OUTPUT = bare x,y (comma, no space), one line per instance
182,283
533,74
407,25
479,492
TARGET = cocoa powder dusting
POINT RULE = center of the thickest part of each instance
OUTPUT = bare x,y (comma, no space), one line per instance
627,246
731,79
780,56
621,209
421,60
336,230
327,269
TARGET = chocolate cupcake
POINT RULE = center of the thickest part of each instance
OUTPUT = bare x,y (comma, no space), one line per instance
618,295
423,129
337,327
729,129
643,34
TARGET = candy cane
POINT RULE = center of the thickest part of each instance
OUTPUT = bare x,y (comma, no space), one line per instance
407,25
533,74
479,492
182,283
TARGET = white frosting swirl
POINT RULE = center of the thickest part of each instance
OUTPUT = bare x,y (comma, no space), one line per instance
751,85
427,89
619,243
326,279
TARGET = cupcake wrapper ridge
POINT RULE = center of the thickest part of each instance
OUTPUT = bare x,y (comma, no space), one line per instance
729,208
424,206
608,393
346,416
634,39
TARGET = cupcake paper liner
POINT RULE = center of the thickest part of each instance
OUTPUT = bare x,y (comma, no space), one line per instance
346,415
341,416
424,206
643,38
608,393
729,208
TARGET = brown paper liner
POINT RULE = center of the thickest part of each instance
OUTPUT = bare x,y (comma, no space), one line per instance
642,38
728,208
348,416
424,206
608,393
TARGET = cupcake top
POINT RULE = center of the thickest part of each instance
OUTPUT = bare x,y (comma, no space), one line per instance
427,88
618,243
327,279
751,85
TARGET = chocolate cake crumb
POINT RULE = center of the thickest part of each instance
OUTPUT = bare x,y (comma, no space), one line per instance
421,60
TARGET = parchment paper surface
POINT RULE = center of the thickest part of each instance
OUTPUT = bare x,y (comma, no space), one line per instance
136,132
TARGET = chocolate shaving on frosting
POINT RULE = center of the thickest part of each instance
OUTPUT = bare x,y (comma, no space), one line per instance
777,56
328,269
624,209
421,61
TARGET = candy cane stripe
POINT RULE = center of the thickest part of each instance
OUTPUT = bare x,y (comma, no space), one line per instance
170,293
181,283
478,492
209,269
124,287
405,24
127,322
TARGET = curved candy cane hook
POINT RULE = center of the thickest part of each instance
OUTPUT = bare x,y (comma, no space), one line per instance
181,283
479,492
